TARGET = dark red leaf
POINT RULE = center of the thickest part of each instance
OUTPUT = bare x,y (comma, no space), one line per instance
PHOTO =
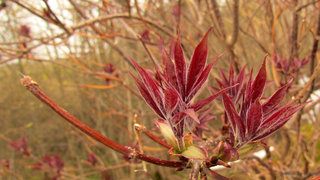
198,61
254,118
178,117
224,79
199,105
240,80
273,118
21,145
150,85
234,118
271,103
192,114
277,120
221,85
202,79
231,74
169,70
171,98
146,96
259,82
180,66
145,35
246,98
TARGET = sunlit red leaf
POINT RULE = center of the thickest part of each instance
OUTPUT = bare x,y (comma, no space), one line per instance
254,118
149,84
198,61
198,105
146,96
235,120
201,80
259,82
169,70
180,66
275,122
171,98
275,99
192,114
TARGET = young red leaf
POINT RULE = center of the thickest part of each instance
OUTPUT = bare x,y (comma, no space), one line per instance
240,80
273,118
272,102
178,117
246,98
150,85
224,79
259,82
268,129
254,118
146,96
198,105
169,70
234,118
180,66
201,80
231,74
198,61
221,85
192,114
171,98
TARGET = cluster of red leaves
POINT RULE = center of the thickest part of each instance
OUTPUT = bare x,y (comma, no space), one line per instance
53,164
170,94
289,67
25,31
21,146
255,120
109,68
236,92
92,159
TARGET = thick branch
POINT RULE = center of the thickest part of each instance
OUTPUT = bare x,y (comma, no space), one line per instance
33,87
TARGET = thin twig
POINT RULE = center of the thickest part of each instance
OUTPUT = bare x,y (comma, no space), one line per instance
270,169
56,19
141,128
135,121
306,5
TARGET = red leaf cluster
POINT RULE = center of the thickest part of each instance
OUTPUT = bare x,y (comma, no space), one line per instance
21,146
171,93
255,121
289,67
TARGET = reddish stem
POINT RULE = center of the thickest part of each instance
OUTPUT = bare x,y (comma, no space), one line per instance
33,87
152,136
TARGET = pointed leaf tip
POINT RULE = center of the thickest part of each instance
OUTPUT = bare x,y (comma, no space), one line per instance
198,61
272,102
180,67
259,82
